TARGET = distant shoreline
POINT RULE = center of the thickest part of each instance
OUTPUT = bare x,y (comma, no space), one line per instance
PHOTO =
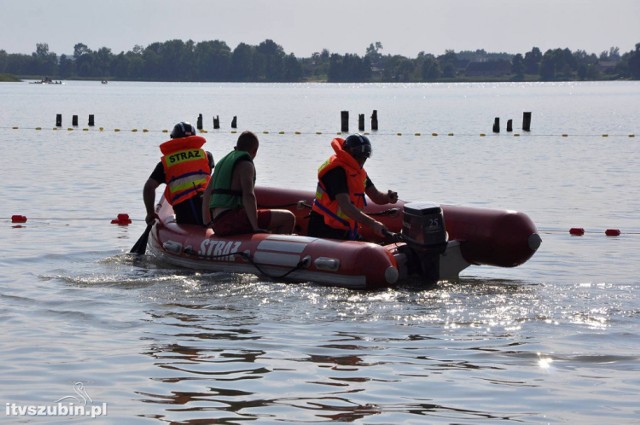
7,78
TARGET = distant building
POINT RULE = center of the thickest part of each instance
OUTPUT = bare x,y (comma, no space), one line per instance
607,66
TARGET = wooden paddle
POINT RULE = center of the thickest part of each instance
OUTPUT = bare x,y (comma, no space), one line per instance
141,246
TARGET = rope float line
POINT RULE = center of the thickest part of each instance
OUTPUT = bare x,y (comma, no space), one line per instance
123,219
298,133
344,127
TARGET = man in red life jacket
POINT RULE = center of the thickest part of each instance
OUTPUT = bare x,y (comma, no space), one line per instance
185,168
340,195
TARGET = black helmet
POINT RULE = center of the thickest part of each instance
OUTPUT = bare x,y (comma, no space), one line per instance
358,146
183,129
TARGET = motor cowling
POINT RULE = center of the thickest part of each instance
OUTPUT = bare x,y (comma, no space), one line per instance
423,227
423,230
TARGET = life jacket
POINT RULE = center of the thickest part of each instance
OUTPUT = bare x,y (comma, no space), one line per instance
356,182
222,196
186,168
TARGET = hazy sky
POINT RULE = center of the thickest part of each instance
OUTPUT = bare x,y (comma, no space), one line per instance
302,27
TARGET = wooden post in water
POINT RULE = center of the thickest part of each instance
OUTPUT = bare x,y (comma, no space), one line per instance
216,122
58,120
361,122
344,121
199,123
92,121
509,125
526,121
234,122
74,120
496,125
374,120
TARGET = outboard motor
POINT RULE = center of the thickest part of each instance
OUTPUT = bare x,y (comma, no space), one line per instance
424,232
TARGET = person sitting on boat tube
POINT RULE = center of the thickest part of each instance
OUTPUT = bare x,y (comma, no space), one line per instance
186,169
230,205
340,194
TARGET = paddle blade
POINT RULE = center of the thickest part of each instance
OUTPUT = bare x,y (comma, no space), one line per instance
140,246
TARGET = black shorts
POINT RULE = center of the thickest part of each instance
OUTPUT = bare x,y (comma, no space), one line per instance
319,229
189,211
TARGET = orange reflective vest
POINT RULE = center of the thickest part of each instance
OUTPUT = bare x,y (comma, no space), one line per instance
186,168
356,182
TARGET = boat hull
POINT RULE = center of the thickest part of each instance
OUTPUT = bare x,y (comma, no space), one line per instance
495,237
476,236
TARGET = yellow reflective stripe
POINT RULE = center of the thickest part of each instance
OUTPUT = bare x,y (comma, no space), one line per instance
177,186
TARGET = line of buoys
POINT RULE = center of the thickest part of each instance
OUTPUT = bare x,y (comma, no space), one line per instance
579,231
121,219
434,134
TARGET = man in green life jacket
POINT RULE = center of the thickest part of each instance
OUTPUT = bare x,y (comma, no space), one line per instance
229,201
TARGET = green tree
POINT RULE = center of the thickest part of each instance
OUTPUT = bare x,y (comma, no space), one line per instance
102,62
373,53
4,59
317,67
44,62
176,60
517,67
532,61
429,67
242,63
292,69
269,61
448,64
66,67
399,68
83,57
212,61
557,64
634,63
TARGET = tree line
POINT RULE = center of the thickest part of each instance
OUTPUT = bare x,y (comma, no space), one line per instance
215,61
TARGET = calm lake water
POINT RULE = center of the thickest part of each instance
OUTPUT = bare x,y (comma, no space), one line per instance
556,340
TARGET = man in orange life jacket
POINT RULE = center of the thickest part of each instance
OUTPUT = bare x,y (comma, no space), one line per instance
340,195
186,169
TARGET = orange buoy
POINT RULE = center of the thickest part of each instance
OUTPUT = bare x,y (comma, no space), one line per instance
612,232
576,231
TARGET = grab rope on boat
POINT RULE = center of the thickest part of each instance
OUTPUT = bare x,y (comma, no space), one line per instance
301,264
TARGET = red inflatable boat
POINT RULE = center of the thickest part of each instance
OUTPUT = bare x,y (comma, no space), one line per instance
428,242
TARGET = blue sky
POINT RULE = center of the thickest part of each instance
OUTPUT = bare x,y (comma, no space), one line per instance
404,27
